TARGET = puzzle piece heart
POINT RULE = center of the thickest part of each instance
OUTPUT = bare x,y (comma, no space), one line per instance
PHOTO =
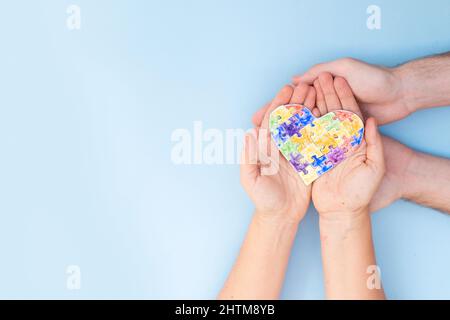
312,145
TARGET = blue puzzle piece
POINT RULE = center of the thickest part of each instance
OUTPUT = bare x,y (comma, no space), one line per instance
280,135
322,163
357,139
306,118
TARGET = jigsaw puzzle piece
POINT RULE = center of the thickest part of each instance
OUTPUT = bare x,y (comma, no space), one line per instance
282,114
288,148
293,125
344,116
336,155
280,135
296,159
346,143
334,124
310,152
357,138
318,130
274,122
352,127
324,142
302,140
309,176
322,164
306,117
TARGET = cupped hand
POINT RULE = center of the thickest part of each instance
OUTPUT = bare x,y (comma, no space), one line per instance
268,178
377,89
347,190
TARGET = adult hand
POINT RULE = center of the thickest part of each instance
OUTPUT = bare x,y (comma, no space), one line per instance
378,90
394,185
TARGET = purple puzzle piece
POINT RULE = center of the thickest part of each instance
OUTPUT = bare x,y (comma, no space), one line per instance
298,165
336,155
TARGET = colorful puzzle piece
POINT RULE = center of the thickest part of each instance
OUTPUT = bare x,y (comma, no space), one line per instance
314,146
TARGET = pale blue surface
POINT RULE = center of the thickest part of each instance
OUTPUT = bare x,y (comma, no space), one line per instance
85,170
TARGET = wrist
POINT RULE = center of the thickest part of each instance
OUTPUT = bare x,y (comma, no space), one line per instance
343,222
400,174
406,88
276,218
411,179
274,232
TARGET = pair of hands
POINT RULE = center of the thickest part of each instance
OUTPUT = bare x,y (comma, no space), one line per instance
359,181
343,193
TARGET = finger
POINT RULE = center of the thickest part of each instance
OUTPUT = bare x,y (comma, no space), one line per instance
310,100
300,93
331,97
346,96
320,100
316,112
272,163
249,159
264,140
282,97
375,158
258,116
267,149
335,67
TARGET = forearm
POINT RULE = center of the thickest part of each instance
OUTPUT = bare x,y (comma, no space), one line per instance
425,82
260,268
427,181
348,254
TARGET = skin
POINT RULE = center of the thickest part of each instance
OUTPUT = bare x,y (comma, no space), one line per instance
281,201
259,270
390,94
354,178
342,199
347,249
397,159
411,175
427,182
377,89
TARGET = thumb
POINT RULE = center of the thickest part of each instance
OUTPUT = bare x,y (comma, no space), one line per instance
249,158
258,116
375,157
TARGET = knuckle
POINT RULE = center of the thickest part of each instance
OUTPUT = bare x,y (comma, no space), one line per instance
325,77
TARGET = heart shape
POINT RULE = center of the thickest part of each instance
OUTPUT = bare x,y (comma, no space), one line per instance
314,146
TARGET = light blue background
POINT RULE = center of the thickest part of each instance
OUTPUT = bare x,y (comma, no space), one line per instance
85,170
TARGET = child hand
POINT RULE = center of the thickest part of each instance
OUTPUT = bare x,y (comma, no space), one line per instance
268,178
347,190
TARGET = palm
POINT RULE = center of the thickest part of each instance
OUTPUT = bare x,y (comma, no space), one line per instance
283,191
343,188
